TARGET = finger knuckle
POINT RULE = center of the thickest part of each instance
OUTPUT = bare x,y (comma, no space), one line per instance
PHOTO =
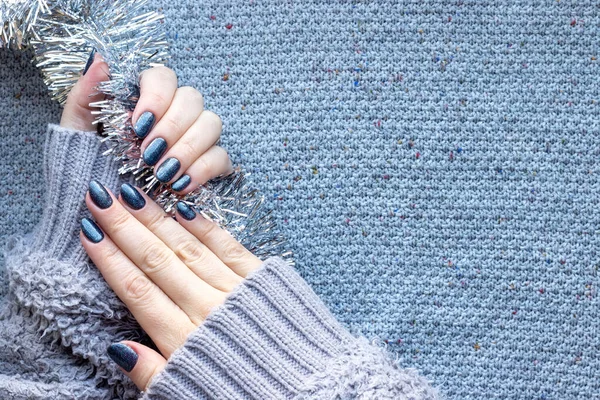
205,166
138,288
120,221
155,98
224,155
190,251
155,222
188,149
172,125
111,255
192,95
207,228
234,252
214,119
155,259
163,73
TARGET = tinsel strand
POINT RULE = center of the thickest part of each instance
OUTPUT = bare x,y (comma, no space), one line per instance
130,39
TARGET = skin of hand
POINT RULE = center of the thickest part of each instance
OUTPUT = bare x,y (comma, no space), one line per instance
170,273
178,137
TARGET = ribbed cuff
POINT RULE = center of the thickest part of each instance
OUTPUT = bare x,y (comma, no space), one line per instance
271,333
71,159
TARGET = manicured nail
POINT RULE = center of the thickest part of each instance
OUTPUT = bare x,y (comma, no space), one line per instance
132,197
99,195
181,183
91,230
90,61
186,211
168,169
144,124
154,151
123,355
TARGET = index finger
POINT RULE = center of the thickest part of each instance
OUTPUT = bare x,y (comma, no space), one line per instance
157,89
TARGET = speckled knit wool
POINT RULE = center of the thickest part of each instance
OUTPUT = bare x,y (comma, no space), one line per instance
434,165
272,339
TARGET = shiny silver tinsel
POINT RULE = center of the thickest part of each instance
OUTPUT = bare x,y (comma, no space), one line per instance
63,33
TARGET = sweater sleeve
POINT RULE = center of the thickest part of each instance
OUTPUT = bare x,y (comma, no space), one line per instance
67,300
274,338
71,159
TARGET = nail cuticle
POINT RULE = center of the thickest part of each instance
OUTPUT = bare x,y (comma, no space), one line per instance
132,197
154,151
144,124
168,169
91,230
99,195
181,183
123,355
186,211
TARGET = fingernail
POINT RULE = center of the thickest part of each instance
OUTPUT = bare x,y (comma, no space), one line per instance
181,183
168,169
91,230
90,61
123,355
132,197
99,195
186,211
154,151
144,124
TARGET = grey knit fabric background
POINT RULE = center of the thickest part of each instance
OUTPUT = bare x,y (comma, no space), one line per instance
433,164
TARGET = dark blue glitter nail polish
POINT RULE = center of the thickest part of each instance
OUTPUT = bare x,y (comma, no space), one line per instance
144,124
123,355
154,151
91,230
168,169
90,61
181,183
99,195
132,197
186,211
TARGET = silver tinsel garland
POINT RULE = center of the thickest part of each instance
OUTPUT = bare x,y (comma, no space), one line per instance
63,33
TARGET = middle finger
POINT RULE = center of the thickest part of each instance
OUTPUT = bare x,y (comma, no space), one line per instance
194,296
191,251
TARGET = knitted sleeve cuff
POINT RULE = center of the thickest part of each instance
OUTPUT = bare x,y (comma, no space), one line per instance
273,338
71,159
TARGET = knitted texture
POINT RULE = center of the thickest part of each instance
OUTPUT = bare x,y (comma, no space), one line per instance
432,163
57,296
274,339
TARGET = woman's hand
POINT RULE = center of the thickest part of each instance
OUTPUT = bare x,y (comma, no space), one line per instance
178,135
169,273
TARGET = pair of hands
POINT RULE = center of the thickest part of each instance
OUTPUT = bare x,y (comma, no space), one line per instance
169,273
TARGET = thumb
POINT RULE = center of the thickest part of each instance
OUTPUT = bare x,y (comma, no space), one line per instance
77,112
140,363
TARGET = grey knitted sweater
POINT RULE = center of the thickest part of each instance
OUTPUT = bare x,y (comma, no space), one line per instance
273,338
